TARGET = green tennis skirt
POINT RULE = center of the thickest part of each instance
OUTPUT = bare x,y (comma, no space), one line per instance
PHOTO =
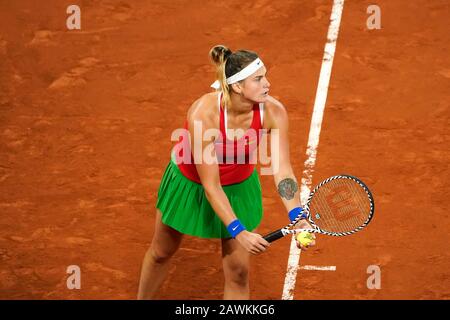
185,208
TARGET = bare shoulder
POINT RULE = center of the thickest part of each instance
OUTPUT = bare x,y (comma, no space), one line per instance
276,113
204,109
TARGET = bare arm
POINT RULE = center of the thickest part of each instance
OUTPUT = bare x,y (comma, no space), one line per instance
207,167
285,181
284,177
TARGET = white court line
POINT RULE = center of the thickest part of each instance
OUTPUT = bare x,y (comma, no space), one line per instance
324,268
313,140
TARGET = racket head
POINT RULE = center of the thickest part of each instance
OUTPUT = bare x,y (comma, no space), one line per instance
340,205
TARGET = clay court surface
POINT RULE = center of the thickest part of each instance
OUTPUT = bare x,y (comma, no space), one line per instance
86,118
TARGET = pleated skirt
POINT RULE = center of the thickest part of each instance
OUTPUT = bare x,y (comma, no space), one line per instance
185,208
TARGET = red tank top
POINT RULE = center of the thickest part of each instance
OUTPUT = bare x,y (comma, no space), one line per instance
236,157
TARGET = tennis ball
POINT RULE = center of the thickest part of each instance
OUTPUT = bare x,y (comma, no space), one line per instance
305,238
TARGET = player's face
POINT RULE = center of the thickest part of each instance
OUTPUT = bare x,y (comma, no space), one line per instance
256,87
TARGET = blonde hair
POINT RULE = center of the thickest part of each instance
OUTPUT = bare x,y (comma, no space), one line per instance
227,64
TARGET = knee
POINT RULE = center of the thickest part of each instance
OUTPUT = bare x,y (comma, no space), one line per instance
238,274
159,256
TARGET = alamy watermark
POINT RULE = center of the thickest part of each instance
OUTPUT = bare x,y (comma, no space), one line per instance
74,279
374,280
374,20
73,22
210,147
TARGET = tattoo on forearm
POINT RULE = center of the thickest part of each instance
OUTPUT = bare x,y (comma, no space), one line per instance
287,188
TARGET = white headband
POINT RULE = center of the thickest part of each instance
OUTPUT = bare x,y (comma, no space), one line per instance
244,73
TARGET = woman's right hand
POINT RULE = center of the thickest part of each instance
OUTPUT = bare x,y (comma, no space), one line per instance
252,242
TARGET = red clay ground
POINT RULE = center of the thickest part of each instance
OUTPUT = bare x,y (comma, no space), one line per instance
86,118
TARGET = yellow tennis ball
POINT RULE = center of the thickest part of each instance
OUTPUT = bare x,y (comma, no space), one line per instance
305,238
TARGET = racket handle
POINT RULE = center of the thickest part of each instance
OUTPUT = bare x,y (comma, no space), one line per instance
274,236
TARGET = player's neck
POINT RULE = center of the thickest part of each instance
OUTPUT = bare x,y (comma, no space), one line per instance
239,105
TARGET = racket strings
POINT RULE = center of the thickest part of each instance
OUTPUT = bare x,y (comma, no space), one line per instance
340,205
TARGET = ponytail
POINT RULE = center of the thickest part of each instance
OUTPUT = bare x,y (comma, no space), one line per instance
219,55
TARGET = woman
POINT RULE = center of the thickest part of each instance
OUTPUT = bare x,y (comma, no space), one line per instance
220,197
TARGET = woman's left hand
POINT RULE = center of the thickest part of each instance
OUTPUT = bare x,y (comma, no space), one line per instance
304,224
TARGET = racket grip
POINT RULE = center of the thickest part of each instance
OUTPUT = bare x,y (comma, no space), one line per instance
274,236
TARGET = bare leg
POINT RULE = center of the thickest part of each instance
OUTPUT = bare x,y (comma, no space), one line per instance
235,261
165,243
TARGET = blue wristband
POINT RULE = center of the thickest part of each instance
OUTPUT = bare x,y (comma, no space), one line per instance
294,213
235,227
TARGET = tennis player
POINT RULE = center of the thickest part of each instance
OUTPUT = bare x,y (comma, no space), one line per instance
221,197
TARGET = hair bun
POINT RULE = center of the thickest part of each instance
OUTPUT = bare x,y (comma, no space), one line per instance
219,53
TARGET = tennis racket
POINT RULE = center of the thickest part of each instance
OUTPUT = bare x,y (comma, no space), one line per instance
338,206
